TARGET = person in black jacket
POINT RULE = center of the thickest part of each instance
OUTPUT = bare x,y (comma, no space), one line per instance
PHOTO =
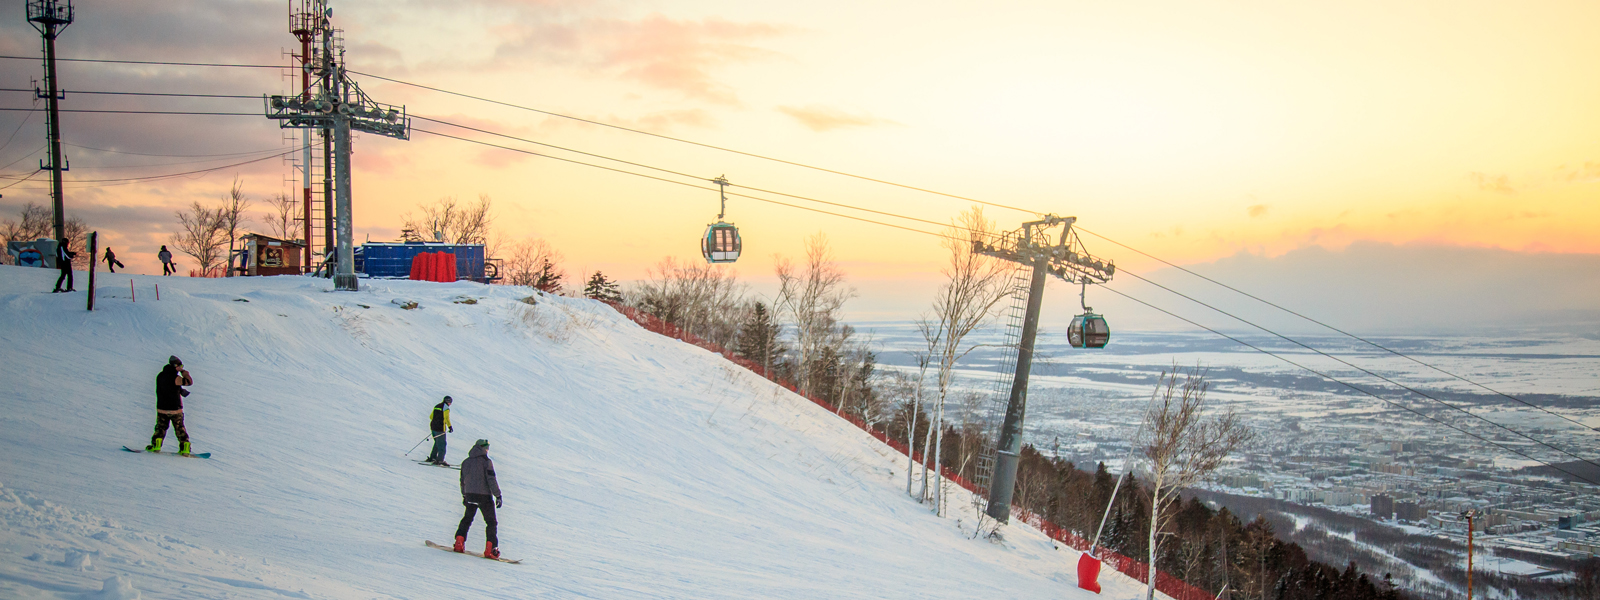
478,484
64,262
439,424
169,405
111,260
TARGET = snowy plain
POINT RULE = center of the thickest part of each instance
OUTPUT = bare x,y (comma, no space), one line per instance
633,465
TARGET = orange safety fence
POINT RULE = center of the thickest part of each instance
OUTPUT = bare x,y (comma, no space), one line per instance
1165,583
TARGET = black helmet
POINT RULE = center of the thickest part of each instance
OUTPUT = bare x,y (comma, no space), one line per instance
484,443
447,400
174,361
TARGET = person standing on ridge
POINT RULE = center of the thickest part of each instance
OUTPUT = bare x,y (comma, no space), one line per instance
169,405
111,260
167,268
439,424
64,262
478,484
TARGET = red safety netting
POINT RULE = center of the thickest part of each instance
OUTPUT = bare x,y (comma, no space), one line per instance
434,266
1165,583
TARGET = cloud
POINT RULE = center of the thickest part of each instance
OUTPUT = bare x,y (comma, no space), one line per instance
826,118
1256,210
661,52
1500,184
1588,172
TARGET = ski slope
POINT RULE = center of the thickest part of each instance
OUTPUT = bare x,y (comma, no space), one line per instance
633,465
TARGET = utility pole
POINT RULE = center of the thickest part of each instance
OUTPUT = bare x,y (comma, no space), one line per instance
49,17
1066,259
338,105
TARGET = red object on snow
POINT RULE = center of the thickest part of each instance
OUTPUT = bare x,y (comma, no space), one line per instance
434,266
1089,573
448,261
416,266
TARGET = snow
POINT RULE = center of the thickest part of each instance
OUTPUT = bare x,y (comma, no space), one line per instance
633,466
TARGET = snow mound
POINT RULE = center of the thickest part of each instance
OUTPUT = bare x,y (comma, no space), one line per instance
633,465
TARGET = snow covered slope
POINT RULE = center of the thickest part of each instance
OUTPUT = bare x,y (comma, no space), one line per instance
633,466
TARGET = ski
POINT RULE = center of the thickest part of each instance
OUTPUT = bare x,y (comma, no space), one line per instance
192,455
469,552
429,464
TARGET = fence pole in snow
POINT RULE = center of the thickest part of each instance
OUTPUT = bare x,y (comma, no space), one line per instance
134,297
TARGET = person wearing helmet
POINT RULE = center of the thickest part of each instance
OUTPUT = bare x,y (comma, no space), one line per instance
478,486
169,405
439,424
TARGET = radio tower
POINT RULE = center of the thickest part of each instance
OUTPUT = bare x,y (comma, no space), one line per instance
50,17
332,102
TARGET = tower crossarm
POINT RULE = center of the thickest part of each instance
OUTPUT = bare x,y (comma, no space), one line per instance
1064,256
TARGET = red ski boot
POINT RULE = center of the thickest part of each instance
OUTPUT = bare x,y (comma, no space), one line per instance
489,551
461,543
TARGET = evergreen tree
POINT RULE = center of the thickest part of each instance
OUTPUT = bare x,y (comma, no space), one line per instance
549,278
758,338
600,288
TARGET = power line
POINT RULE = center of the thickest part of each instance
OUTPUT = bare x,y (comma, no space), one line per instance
701,144
1357,367
1341,331
24,121
20,180
172,175
24,157
149,112
1349,385
154,62
172,155
177,95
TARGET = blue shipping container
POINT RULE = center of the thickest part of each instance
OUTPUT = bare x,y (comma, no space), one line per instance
393,259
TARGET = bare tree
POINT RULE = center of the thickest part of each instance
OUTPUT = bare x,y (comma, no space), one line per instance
974,284
530,259
1182,448
229,216
706,300
812,299
452,221
203,235
281,220
38,222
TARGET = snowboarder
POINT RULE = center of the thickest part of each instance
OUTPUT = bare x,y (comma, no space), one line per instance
111,260
169,405
439,424
64,262
477,486
167,266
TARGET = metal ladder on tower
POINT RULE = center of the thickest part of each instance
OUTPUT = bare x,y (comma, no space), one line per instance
1000,393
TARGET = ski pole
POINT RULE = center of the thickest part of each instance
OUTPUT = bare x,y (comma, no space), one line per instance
414,448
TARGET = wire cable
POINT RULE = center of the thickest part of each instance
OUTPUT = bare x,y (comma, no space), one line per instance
172,175
155,62
24,121
701,144
149,112
175,95
171,155
1349,385
663,179
1343,332
1360,368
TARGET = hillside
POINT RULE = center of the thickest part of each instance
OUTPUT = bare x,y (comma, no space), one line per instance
633,466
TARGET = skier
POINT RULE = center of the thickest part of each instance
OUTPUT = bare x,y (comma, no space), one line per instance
111,260
64,262
439,424
477,485
167,266
169,405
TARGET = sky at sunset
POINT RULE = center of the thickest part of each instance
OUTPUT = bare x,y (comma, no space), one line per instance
1248,138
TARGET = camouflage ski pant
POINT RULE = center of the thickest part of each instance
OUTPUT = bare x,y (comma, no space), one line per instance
176,419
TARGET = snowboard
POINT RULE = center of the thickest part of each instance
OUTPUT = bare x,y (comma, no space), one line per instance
192,455
429,464
452,551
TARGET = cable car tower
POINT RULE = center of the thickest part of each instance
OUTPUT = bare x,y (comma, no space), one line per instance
49,17
333,101
721,243
1065,258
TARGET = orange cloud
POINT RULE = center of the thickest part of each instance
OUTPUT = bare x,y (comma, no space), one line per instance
1256,210
826,118
1500,184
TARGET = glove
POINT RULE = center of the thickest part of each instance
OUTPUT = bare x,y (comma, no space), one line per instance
183,392
451,429
497,502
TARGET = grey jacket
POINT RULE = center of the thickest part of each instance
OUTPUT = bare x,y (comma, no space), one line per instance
477,474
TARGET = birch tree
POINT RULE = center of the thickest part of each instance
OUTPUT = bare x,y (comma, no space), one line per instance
1182,447
811,296
974,284
201,236
281,219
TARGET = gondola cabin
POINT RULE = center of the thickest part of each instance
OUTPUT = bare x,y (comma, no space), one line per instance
1088,330
721,243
